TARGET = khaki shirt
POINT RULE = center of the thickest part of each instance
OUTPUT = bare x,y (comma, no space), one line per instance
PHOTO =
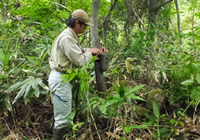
67,53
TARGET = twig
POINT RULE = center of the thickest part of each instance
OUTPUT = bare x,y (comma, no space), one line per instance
7,126
139,19
61,6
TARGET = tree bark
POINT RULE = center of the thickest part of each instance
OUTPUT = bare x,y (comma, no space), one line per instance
178,19
94,20
101,84
153,9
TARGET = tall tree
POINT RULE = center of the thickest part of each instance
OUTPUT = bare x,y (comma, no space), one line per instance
101,85
178,19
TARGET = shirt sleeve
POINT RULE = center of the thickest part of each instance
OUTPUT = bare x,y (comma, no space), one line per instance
74,53
86,49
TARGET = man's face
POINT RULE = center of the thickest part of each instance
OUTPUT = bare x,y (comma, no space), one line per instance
81,28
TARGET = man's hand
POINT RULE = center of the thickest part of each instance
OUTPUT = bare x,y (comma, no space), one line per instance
95,51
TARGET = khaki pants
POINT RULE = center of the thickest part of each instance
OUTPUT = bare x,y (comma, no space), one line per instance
62,99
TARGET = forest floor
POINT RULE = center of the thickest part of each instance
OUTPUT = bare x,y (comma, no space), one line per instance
34,121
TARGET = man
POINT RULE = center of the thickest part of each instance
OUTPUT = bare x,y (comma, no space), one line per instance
66,54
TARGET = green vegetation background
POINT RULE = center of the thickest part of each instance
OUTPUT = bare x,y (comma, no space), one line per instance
153,80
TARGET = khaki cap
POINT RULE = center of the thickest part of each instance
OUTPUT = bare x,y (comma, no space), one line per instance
82,16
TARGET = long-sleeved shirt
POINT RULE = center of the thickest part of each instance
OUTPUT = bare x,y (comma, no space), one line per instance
67,53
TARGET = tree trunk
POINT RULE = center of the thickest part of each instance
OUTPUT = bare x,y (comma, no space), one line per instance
153,9
101,85
178,19
152,12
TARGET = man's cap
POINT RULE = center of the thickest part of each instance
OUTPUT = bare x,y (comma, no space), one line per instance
82,16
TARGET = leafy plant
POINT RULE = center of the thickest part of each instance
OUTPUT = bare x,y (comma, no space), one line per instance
190,79
4,59
29,87
115,101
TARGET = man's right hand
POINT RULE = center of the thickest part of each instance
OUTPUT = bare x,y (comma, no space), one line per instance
95,51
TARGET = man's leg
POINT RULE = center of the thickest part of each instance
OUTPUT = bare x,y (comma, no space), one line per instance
62,104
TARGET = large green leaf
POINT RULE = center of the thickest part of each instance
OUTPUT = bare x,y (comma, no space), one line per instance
103,109
188,82
112,101
70,117
28,87
35,87
17,85
121,91
156,109
195,94
133,90
20,93
134,97
198,78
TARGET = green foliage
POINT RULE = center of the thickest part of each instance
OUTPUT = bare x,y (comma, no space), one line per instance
127,129
69,76
140,43
5,103
188,76
114,102
29,87
71,123
42,13
4,59
155,56
82,75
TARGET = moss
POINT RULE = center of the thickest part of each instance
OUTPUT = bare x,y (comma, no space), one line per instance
156,95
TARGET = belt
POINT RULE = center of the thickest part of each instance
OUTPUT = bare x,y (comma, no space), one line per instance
55,70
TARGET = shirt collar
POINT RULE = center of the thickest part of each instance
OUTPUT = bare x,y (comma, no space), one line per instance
73,33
